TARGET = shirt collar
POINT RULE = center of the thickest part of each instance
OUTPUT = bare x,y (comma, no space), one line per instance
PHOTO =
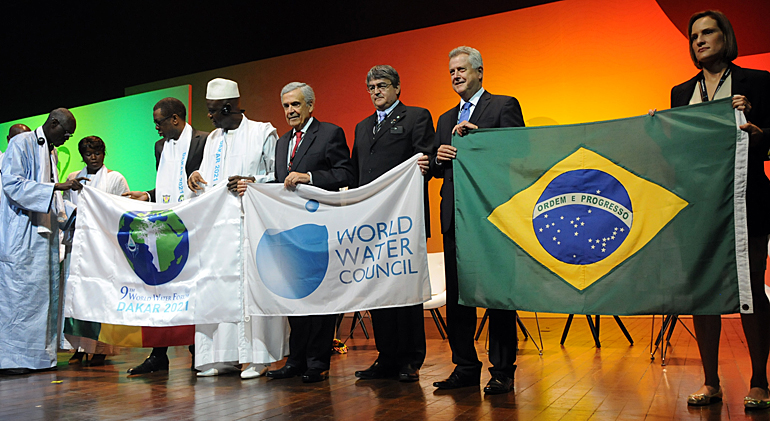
304,128
390,109
474,99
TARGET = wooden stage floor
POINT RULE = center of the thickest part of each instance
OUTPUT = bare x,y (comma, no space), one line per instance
572,382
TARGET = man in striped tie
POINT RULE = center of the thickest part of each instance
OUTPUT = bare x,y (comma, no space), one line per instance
385,139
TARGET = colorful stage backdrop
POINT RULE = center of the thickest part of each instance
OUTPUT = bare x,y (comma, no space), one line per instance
572,61
125,125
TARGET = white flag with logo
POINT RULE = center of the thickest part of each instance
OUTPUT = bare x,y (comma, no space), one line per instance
144,264
312,251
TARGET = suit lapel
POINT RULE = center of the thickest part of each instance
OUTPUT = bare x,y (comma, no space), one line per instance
304,145
454,114
390,121
739,85
281,156
368,139
195,145
484,100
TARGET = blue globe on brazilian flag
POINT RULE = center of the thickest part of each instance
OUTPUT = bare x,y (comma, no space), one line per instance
578,218
643,215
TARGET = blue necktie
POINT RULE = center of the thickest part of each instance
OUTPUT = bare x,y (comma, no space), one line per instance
380,118
465,114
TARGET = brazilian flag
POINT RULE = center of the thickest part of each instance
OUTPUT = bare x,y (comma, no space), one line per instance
644,215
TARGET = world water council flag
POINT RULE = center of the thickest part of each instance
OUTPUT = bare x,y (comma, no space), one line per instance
313,251
643,215
143,264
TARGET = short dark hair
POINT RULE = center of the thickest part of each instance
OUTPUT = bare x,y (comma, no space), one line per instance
170,106
384,71
94,142
730,52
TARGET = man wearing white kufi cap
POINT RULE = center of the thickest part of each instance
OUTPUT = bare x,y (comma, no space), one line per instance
238,149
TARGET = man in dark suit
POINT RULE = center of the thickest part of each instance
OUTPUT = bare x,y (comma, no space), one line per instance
171,183
312,153
393,134
169,115
477,108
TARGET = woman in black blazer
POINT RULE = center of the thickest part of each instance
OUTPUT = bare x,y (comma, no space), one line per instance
713,48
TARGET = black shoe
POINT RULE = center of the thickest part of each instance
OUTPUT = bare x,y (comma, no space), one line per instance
498,385
377,371
15,371
96,360
77,358
314,375
151,364
192,358
408,374
285,372
456,381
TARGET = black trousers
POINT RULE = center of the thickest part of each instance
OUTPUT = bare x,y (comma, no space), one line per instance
310,341
399,334
461,326
163,351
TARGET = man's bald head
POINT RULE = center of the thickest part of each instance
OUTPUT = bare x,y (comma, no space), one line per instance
63,115
16,129
59,126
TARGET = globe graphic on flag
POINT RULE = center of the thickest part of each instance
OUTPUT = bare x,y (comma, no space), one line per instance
580,216
155,244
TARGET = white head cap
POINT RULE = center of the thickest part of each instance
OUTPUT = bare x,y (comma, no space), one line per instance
222,89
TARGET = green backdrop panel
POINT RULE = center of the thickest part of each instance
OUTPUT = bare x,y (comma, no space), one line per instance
125,125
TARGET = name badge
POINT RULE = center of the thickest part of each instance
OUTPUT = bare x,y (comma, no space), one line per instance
397,130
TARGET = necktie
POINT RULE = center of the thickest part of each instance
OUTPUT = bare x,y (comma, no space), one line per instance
380,118
465,114
296,145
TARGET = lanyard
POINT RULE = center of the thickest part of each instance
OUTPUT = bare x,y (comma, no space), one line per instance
704,96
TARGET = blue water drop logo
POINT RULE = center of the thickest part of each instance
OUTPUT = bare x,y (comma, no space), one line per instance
293,263
311,205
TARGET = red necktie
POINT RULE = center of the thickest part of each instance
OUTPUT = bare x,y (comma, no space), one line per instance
296,145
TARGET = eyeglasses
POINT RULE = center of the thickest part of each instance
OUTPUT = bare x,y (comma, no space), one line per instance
378,87
67,134
159,122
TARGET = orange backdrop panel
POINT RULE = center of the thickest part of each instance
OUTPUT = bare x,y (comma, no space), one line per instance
572,61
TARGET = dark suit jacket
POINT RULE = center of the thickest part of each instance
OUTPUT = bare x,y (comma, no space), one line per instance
492,111
194,157
323,151
404,133
754,85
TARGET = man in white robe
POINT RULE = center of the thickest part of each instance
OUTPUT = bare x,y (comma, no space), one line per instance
238,149
31,208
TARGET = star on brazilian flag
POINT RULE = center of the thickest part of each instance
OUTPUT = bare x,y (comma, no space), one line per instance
643,215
